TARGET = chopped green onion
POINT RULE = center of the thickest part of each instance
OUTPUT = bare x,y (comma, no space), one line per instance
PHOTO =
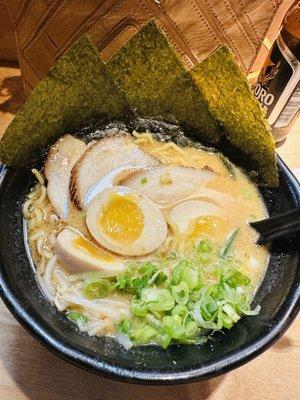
96,288
202,294
77,317
184,271
145,334
172,326
153,321
180,309
124,326
180,293
228,244
158,299
191,329
190,305
153,299
136,277
144,180
235,278
139,308
204,247
195,295
190,276
92,275
164,340
255,311
230,311
202,339
158,278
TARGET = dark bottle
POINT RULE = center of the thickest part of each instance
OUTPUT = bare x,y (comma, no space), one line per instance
278,85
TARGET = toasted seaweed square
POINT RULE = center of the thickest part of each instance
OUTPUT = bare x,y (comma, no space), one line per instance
77,88
231,102
213,102
157,84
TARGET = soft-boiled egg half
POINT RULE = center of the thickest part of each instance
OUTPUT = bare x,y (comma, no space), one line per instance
77,254
126,222
193,211
196,218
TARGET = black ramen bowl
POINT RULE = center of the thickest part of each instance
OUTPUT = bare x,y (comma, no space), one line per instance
279,296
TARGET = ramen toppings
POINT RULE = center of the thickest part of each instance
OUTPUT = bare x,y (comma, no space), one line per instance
145,240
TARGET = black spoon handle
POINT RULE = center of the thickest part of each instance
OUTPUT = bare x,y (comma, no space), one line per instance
277,226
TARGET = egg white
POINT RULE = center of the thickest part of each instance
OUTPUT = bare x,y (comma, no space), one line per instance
187,211
152,236
75,260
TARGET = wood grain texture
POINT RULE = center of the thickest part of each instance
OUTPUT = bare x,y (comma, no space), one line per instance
29,371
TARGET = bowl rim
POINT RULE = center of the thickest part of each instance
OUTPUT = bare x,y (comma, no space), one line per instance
233,359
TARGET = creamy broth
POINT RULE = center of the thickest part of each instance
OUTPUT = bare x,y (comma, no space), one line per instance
246,207
232,197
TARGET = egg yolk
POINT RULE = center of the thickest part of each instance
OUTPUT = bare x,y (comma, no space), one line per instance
122,219
83,244
210,225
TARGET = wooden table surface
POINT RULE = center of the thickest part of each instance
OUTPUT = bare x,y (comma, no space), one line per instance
29,371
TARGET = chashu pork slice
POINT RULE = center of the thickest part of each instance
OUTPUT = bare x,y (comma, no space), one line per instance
166,185
103,165
62,157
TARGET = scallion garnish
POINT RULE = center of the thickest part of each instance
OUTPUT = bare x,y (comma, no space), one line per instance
201,294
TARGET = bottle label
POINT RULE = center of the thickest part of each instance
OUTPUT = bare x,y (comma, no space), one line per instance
290,110
277,81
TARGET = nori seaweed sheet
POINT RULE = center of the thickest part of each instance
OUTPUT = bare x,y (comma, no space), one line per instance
213,102
157,85
247,134
77,88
